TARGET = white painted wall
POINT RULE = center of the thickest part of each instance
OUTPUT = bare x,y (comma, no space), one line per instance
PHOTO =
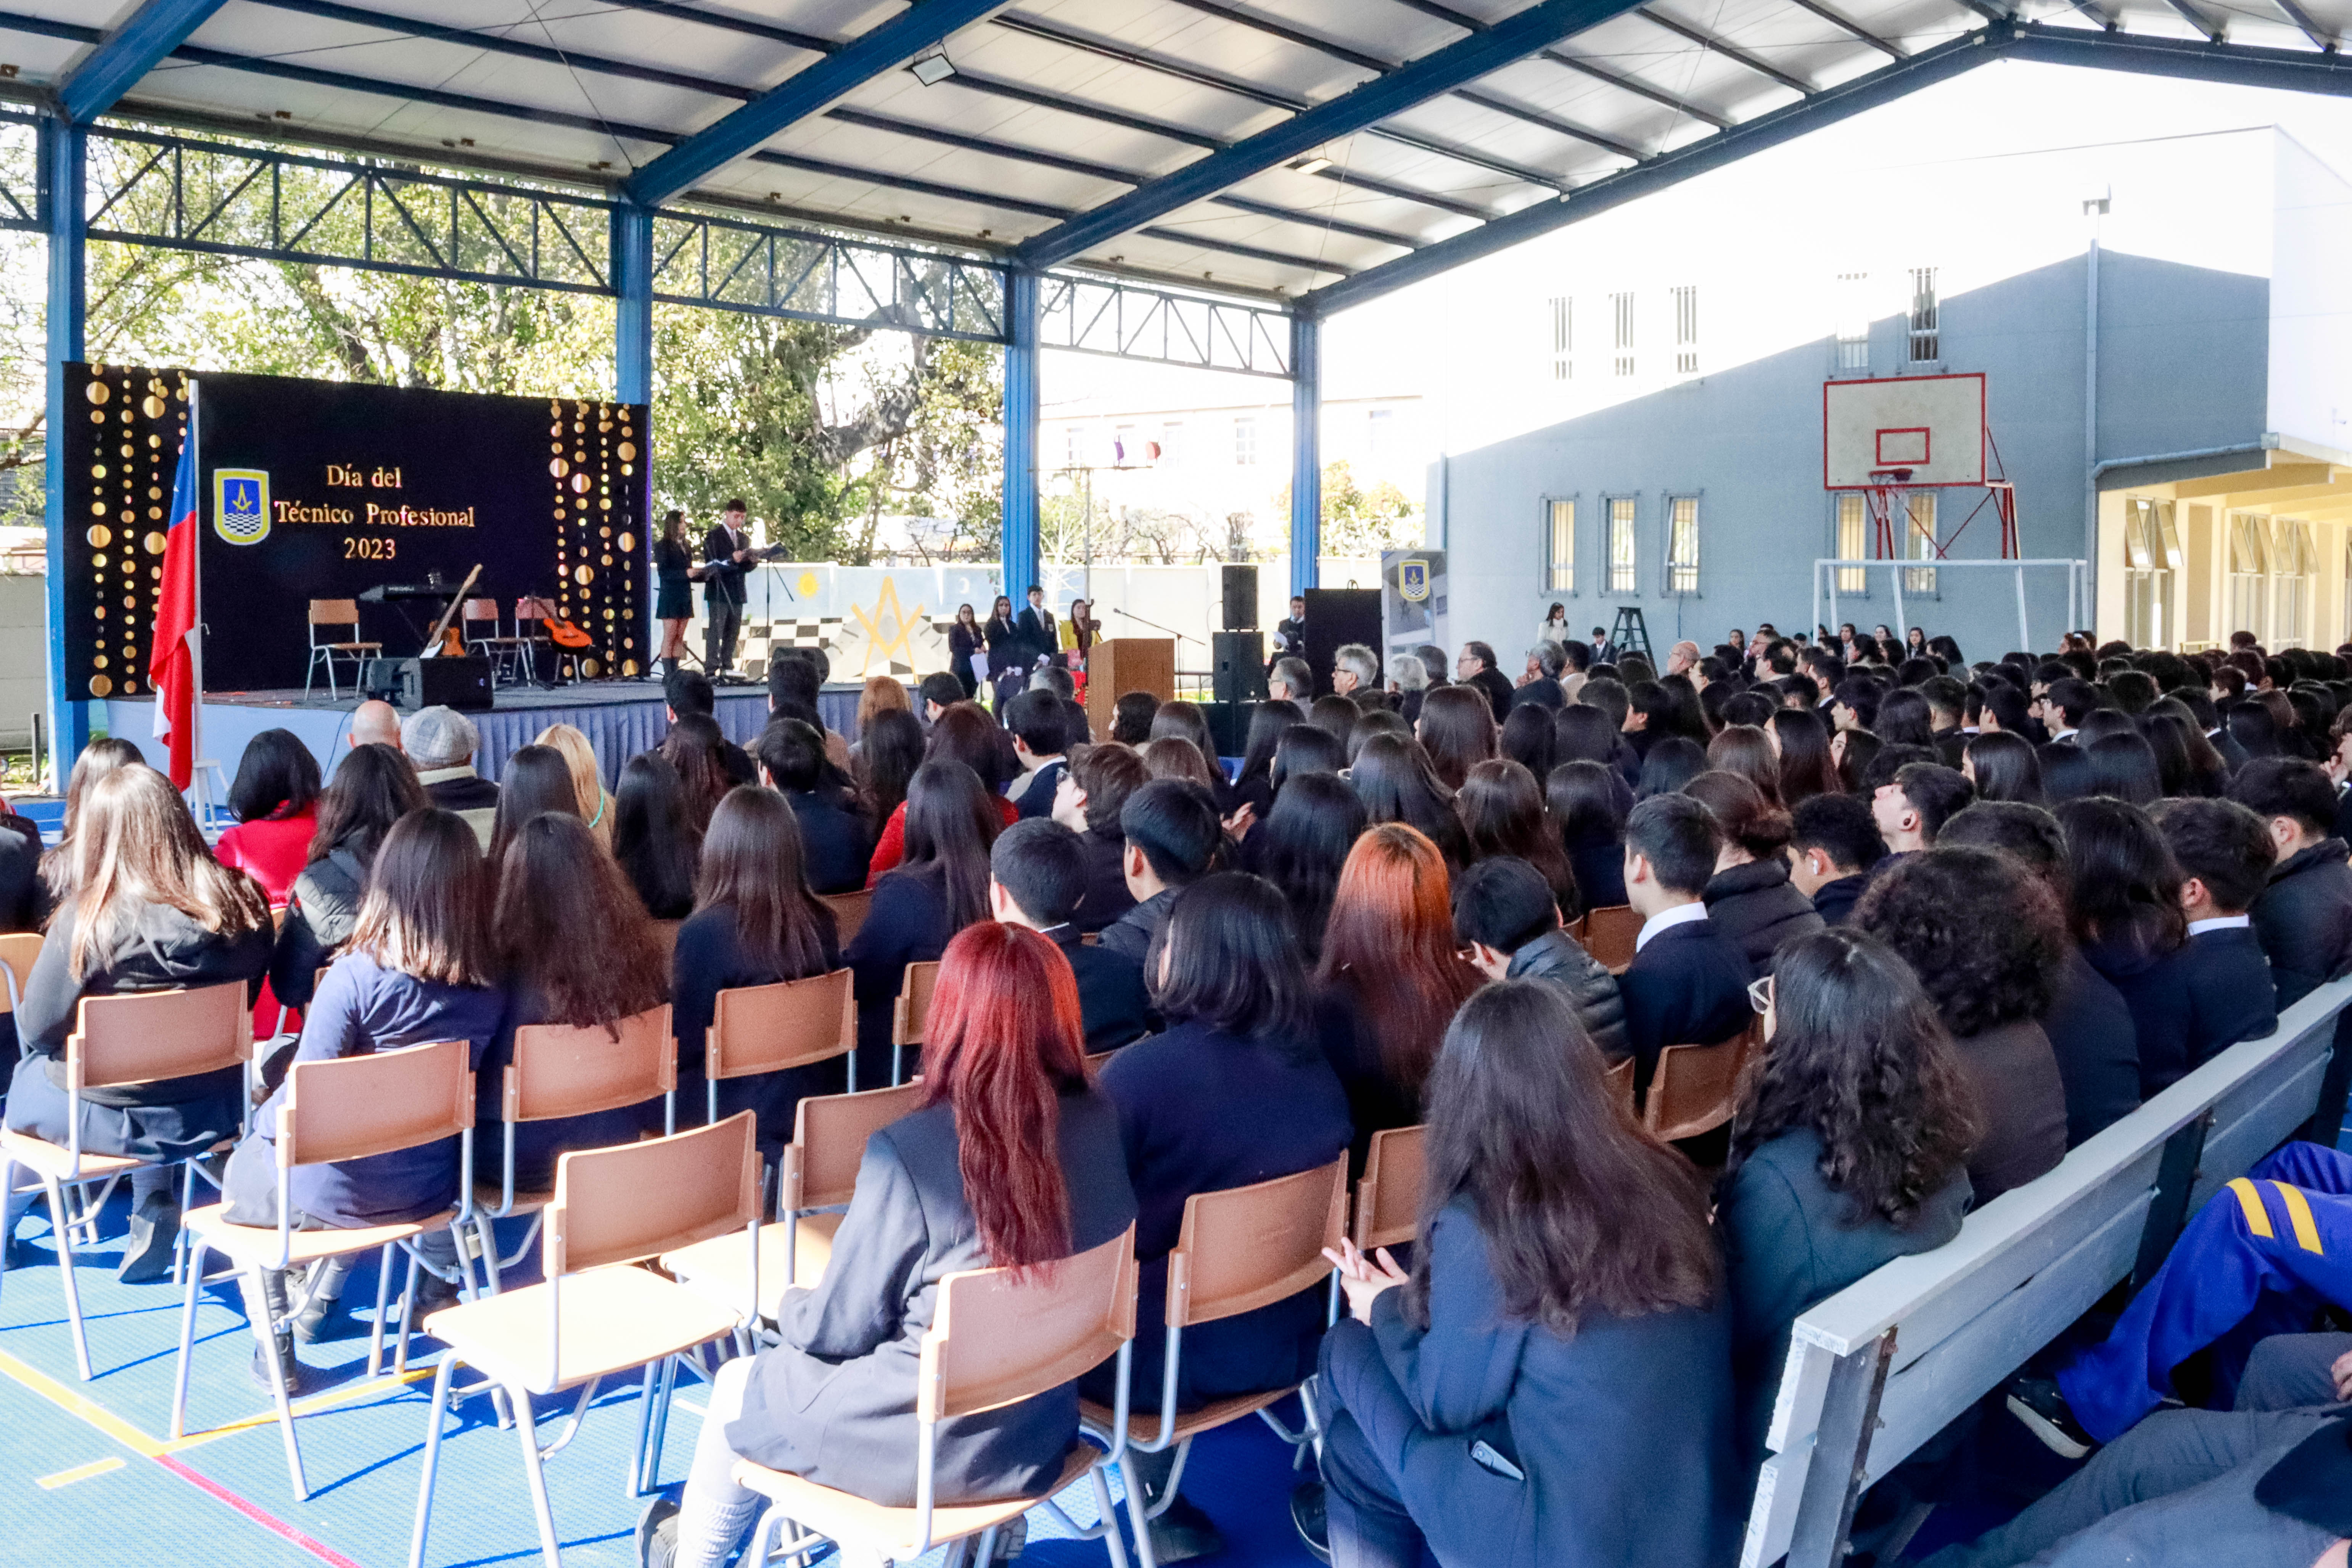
2311,302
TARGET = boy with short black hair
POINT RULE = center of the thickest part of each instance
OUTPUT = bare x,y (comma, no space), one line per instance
1172,834
1036,722
1037,878
2224,852
1913,809
1837,845
1506,918
1687,985
2303,916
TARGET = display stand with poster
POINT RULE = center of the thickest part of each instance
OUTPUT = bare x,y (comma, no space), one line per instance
1413,603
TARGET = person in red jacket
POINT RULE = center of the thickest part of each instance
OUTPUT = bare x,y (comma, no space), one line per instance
275,800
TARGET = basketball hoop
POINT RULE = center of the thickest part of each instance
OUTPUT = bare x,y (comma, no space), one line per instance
1886,437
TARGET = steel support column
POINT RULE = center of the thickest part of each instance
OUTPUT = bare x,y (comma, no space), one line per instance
1306,451
632,314
64,160
1024,318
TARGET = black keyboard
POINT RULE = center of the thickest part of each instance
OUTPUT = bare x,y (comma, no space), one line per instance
388,593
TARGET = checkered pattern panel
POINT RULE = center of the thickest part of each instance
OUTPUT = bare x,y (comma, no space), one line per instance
761,637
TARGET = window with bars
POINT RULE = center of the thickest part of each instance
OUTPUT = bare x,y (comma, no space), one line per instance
1682,544
2293,562
1687,330
1919,543
2250,569
1621,311
1563,338
1559,545
1852,544
2152,568
1927,333
1624,566
1245,441
1853,321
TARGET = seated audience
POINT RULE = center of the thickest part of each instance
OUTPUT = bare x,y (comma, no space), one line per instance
962,733
1589,1356
756,921
1390,976
536,780
1174,757
1172,840
1233,1093
835,843
1749,899
1672,762
1801,741
1911,809
655,840
1393,777
689,694
1302,848
1511,928
1848,1147
576,949
1743,748
595,804
1835,846
1132,716
699,751
1092,792
1012,1162
1456,728
2304,916
373,788
887,758
1531,738
1503,810
937,890
1038,878
1987,941
419,968
441,743
2224,854
2126,916
1687,986
1254,786
1040,736
1588,802
1999,766
274,801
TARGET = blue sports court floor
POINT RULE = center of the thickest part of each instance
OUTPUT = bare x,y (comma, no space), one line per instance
90,1475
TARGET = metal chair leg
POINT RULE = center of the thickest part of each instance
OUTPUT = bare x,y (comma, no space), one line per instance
1106,1511
63,1233
637,1483
407,1321
187,1202
432,1459
382,1302
1137,1510
277,1395
668,1386
527,1427
187,1341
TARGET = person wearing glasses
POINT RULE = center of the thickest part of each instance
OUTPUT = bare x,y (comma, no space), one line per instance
1842,1010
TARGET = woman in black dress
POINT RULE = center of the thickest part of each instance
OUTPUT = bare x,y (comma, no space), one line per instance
964,641
1008,649
674,596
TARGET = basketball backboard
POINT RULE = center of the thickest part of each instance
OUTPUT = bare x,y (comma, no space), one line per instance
1933,426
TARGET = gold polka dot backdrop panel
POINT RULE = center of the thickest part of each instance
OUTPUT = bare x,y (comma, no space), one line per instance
123,434
598,480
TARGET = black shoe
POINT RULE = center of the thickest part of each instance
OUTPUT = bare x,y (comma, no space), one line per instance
433,1293
657,1532
297,1376
322,1318
1307,1514
154,1228
1184,1532
2036,1402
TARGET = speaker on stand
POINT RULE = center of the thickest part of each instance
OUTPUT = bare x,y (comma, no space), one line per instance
1335,617
1241,598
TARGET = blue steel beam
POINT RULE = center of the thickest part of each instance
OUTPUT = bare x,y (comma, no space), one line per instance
136,47
1023,407
632,314
64,157
2296,70
1306,453
804,93
1356,110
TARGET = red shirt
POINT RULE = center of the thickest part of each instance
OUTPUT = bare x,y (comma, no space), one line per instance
272,850
893,846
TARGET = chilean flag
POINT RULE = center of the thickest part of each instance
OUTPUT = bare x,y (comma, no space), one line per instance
172,657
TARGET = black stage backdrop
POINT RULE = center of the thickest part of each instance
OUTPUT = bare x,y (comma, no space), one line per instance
365,485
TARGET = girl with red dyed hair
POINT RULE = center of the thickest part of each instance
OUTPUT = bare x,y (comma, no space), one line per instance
1391,976
1013,1161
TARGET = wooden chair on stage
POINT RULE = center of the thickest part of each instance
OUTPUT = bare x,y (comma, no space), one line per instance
337,612
510,656
531,618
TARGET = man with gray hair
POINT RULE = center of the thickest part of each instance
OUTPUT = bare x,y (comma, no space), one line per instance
1290,681
1539,686
1411,677
441,741
1355,667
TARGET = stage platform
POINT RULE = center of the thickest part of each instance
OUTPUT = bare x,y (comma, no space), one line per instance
620,717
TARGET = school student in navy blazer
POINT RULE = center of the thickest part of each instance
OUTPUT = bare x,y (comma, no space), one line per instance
1687,985
1037,878
2224,854
1040,735
1561,1346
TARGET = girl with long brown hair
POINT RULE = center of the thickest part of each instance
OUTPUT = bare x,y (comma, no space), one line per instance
698,750
1011,1161
1501,809
1390,976
1457,728
755,922
373,788
576,949
150,909
964,733
1565,1296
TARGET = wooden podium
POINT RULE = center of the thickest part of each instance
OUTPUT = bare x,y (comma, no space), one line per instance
1120,665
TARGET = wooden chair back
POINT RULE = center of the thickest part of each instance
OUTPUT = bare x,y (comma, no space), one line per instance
1619,1077
767,1028
913,1008
829,1134
480,610
1607,934
848,912
634,1201
150,1035
334,612
533,610
1245,1246
998,1338
354,1106
18,950
559,1070
1695,1088
1388,1194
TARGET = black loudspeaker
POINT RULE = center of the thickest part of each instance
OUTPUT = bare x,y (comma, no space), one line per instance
463,684
1241,598
1240,675
1229,725
1335,617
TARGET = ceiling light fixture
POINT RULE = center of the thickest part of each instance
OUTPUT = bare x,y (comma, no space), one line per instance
931,67
1313,163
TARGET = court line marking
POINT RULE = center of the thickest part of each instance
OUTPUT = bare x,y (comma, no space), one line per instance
88,1410
80,1473
255,1513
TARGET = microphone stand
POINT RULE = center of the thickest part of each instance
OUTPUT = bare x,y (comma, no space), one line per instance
1156,627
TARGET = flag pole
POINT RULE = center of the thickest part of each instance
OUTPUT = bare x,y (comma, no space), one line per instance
196,632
